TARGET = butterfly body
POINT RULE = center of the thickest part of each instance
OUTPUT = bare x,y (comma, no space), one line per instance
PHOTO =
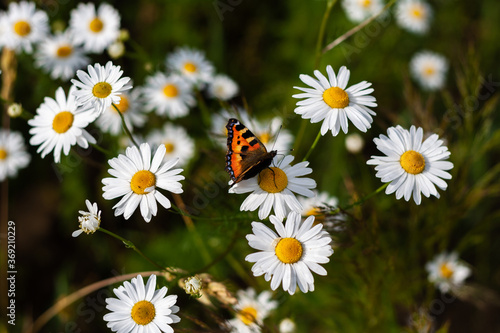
246,154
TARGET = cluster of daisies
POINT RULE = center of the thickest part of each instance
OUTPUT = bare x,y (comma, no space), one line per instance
426,67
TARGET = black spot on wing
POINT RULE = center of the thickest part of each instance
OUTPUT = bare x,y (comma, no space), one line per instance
253,142
239,127
247,134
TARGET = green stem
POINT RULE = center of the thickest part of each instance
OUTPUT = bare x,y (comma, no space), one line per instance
321,34
205,113
102,150
131,245
312,146
124,125
360,201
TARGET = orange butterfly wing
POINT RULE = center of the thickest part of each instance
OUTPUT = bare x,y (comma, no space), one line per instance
246,155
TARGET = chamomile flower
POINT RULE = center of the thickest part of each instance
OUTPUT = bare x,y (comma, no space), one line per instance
101,86
313,205
414,15
222,87
413,166
330,101
177,142
13,154
274,187
251,310
447,272
354,143
169,95
287,325
22,26
141,308
137,178
288,255
359,10
94,29
191,64
58,56
429,69
60,124
89,221
130,107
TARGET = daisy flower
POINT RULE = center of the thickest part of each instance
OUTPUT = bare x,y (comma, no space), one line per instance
274,187
288,255
191,64
169,95
360,10
130,107
411,165
446,271
13,154
136,179
354,143
287,326
330,101
176,140
141,308
251,310
101,86
60,124
414,15
89,221
94,29
312,205
429,69
222,87
193,286
22,26
58,56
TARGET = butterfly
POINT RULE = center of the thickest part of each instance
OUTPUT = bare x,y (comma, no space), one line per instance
246,155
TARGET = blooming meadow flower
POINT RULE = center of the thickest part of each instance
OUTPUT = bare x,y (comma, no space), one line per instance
446,271
101,86
354,143
429,69
274,188
59,124
94,29
136,178
13,154
251,310
141,308
129,106
360,10
413,166
222,87
58,56
191,64
89,221
193,286
329,100
176,140
414,15
287,325
22,26
169,95
288,255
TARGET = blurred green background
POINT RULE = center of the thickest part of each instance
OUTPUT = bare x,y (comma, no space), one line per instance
376,278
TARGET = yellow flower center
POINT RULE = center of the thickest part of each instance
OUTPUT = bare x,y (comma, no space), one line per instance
22,28
62,122
190,67
265,137
96,25
272,180
366,3
143,312
445,271
429,71
319,216
3,154
170,90
336,98
288,250
123,105
64,51
141,180
101,90
417,11
412,162
169,146
247,315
